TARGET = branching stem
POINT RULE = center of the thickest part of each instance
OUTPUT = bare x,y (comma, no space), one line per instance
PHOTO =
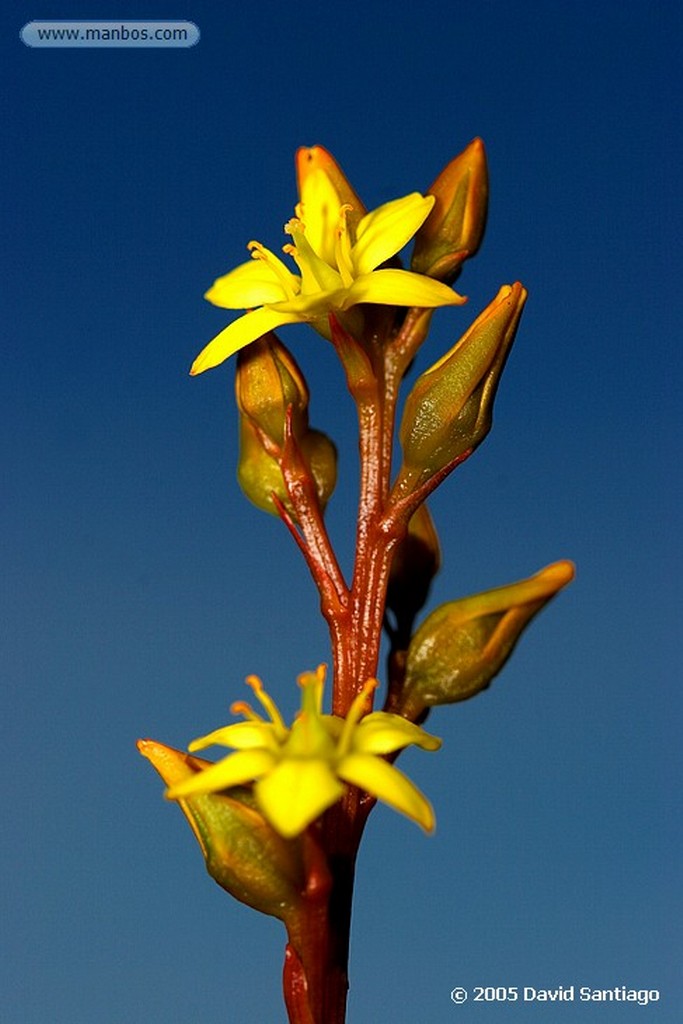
355,616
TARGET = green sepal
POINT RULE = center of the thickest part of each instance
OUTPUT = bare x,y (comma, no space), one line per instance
449,410
462,645
269,383
241,850
455,227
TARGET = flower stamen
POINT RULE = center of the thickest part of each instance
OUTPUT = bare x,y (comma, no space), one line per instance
268,703
283,274
317,277
358,709
240,707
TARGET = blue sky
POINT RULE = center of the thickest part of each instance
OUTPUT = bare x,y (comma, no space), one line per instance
140,587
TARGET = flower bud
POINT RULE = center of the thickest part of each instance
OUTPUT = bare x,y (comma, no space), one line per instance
415,564
450,408
260,476
258,473
267,383
455,227
321,455
462,645
243,853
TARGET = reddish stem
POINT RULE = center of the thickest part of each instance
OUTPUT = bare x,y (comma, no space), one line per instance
315,975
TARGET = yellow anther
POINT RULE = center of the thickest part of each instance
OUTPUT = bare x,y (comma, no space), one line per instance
240,707
257,251
294,225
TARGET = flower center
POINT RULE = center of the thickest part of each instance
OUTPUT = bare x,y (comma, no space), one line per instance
316,274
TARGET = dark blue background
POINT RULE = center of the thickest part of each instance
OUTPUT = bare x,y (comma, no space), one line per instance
140,588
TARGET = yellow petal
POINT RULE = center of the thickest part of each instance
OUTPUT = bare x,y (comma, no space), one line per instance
238,334
296,792
388,784
314,305
240,736
310,160
400,288
234,770
251,284
382,733
383,232
320,204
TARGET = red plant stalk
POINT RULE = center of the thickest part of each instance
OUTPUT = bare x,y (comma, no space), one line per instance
315,977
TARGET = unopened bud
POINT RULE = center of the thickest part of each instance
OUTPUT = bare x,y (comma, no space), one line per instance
321,455
268,382
415,564
450,408
242,852
455,227
462,645
260,474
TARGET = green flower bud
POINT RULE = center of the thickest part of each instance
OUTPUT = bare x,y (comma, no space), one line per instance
450,408
415,564
321,455
462,645
455,227
259,474
242,852
268,382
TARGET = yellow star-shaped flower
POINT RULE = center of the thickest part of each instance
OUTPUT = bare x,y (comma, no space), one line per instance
299,772
337,254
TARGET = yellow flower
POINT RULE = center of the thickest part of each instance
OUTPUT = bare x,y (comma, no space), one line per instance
337,255
299,772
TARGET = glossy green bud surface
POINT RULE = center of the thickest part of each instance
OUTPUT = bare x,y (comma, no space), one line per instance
455,227
268,382
450,408
462,645
243,853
